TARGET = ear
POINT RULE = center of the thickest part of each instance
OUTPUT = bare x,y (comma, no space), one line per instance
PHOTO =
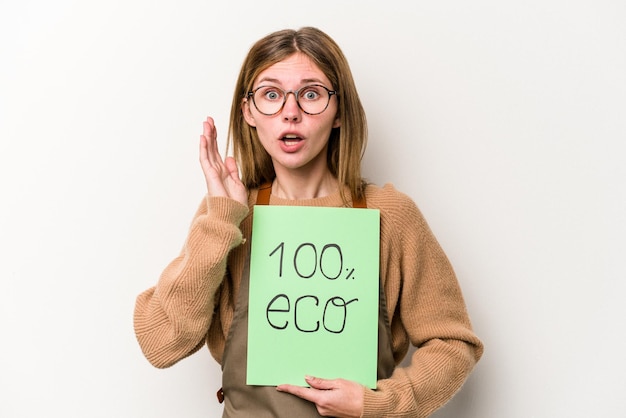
247,115
337,122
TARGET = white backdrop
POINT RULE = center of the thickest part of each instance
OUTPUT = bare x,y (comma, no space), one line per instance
505,121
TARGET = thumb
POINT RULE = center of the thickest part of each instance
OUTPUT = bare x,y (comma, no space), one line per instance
233,170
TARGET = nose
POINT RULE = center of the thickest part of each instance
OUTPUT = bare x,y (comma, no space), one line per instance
291,109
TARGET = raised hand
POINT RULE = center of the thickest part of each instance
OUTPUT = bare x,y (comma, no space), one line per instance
222,176
332,397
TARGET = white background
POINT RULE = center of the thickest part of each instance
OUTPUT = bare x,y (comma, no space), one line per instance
504,121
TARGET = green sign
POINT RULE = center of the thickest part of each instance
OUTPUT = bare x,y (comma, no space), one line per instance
314,294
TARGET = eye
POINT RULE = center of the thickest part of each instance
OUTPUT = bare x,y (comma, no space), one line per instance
271,93
310,93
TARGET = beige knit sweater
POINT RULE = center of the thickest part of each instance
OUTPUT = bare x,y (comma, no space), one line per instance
193,301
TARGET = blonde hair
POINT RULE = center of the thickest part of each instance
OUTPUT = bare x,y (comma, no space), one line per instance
346,144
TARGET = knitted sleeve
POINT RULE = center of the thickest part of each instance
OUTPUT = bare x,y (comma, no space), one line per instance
427,307
171,319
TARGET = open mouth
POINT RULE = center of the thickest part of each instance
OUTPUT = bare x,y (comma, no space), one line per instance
291,139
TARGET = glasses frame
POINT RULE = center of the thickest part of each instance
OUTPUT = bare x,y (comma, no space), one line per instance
296,94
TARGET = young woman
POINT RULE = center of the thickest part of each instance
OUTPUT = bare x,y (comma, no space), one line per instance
298,132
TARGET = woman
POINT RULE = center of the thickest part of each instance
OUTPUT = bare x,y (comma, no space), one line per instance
298,132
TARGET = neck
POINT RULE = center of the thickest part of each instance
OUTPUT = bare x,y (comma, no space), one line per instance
309,187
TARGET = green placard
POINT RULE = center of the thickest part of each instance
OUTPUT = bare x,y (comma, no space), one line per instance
314,294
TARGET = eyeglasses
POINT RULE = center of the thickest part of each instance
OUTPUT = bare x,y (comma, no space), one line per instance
312,99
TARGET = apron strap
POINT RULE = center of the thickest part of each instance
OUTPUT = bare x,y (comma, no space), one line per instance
359,202
263,197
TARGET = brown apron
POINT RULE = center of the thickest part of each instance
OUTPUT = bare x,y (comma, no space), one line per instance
241,400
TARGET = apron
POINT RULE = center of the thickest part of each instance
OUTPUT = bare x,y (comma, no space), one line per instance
241,400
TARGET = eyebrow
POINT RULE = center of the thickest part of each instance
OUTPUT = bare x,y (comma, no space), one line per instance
303,81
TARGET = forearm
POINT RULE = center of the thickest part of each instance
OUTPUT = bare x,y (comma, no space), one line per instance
437,371
172,318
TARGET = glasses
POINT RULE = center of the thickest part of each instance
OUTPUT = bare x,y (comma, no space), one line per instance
312,99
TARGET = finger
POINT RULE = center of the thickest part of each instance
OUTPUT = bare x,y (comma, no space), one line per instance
205,138
319,383
207,159
215,159
207,132
209,128
204,157
299,391
210,163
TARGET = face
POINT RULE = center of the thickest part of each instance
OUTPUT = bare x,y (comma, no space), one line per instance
296,141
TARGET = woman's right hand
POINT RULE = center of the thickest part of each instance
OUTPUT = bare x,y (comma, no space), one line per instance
222,176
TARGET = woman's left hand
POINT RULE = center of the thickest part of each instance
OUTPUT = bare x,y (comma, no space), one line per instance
333,398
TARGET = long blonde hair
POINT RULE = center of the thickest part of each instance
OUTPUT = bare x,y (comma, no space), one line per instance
346,144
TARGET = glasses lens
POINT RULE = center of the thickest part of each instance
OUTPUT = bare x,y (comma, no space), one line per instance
312,99
269,99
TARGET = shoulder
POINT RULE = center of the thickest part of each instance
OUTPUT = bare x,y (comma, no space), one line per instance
398,211
389,200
